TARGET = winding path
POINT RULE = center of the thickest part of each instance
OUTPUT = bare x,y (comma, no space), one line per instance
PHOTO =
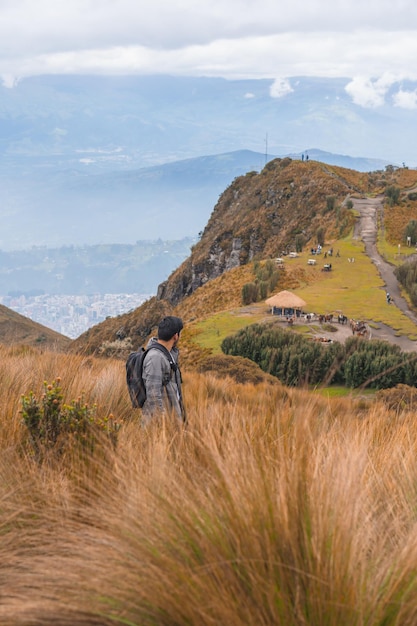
370,211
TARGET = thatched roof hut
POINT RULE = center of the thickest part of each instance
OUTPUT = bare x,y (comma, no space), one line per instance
285,300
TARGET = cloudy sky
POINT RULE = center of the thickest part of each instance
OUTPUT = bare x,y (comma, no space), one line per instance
373,43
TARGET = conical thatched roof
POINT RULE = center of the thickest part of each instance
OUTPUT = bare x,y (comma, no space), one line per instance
286,299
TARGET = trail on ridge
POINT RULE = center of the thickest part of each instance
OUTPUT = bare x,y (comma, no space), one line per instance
366,228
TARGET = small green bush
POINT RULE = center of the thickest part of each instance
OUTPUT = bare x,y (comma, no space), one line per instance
406,274
330,204
392,194
320,234
250,293
411,231
54,426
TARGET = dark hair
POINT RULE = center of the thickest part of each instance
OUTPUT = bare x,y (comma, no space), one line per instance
169,326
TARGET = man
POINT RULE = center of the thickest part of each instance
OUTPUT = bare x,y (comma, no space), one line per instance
161,373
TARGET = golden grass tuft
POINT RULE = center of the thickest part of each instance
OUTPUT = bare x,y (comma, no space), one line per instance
273,507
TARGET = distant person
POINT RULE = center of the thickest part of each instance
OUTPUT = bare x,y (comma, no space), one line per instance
161,373
388,298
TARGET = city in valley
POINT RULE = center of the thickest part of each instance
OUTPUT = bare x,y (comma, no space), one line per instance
71,315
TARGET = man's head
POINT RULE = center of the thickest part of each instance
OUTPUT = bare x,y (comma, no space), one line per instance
169,327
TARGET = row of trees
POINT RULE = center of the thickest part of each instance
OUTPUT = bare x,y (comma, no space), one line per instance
298,361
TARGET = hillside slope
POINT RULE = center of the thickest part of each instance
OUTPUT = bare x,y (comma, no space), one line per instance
257,217
17,329
287,205
263,215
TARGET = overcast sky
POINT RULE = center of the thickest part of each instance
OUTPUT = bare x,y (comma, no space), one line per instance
373,43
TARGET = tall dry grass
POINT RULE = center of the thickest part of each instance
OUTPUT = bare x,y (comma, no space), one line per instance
273,507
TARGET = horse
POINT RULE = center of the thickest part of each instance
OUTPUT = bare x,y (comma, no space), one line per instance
358,327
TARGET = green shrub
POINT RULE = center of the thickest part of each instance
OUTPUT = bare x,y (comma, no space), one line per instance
54,426
320,234
250,293
297,360
392,194
406,274
299,243
263,289
273,280
288,356
330,204
411,231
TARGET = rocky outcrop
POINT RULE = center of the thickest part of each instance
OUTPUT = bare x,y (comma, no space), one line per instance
259,216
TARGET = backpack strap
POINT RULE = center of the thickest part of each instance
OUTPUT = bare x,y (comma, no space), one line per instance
161,348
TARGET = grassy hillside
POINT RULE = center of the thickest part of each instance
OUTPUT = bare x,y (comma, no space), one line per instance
274,507
17,329
249,210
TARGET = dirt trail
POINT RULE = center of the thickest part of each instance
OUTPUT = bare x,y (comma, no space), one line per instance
366,228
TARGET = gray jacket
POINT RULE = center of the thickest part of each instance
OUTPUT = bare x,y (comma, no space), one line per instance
163,385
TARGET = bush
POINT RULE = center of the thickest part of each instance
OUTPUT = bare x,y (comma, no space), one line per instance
399,398
54,426
250,293
392,194
296,360
320,236
273,280
266,279
411,231
299,243
330,204
263,289
288,356
406,274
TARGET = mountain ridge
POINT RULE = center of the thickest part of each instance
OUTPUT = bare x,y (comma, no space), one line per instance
256,217
168,201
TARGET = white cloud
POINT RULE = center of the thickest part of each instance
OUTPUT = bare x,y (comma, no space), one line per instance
280,88
369,93
237,39
9,80
405,99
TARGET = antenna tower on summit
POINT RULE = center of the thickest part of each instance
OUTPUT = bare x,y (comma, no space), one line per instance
266,148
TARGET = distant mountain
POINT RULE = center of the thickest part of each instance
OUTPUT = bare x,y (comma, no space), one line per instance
86,270
169,201
90,160
360,164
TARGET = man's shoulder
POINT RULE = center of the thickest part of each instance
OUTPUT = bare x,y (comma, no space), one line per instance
157,351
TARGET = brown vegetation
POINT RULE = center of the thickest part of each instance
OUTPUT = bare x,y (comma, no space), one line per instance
274,507
15,329
257,217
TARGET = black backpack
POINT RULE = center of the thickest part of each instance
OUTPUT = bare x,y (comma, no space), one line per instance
134,369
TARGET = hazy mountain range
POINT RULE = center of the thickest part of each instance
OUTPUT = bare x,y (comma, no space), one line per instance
98,160
84,270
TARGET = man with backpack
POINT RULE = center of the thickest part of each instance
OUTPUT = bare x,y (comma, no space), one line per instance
159,373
